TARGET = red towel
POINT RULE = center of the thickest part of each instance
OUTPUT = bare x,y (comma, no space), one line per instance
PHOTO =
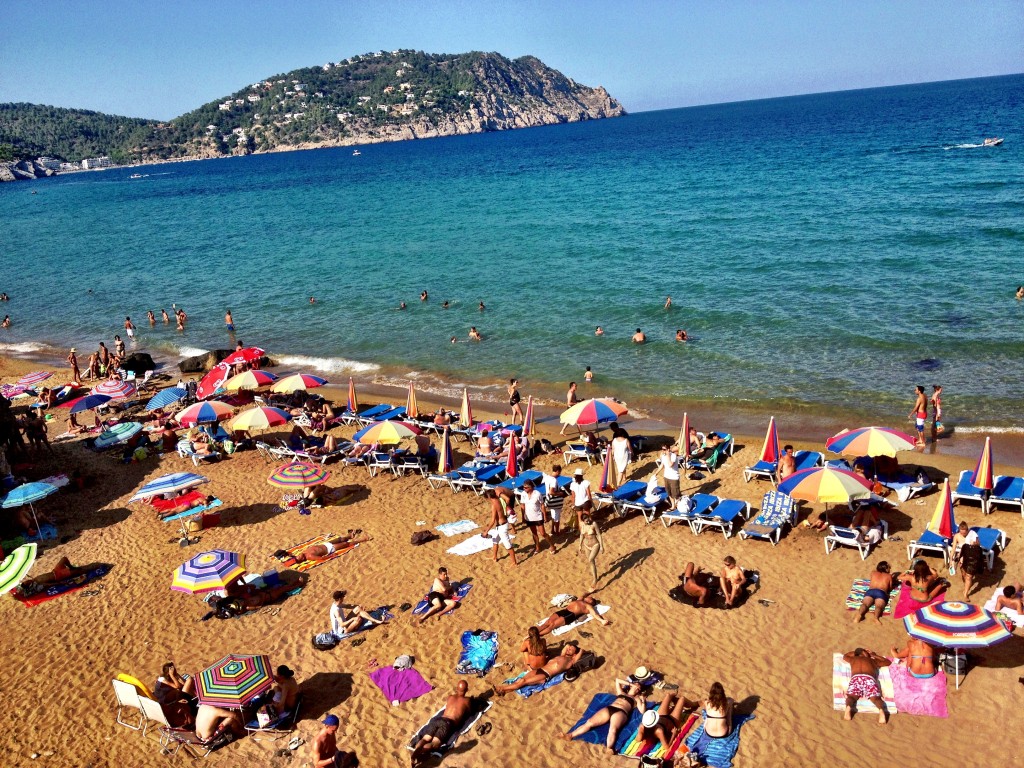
907,605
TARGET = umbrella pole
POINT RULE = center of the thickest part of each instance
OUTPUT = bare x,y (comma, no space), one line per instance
956,656
39,533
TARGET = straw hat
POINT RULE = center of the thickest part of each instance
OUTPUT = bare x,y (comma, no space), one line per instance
650,718
642,675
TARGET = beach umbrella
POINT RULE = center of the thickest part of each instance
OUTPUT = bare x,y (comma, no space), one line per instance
204,413
29,493
166,397
249,380
770,449
11,391
825,484
956,625
606,471
982,477
447,461
303,381
177,481
114,389
118,433
88,402
353,402
385,432
31,379
870,441
263,417
528,418
466,417
234,681
412,409
512,465
593,411
208,572
943,521
15,567
245,355
298,474
213,381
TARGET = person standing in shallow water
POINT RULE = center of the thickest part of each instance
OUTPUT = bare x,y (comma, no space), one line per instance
920,413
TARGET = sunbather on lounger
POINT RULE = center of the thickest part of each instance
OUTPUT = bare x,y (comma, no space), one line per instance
457,708
627,697
214,721
664,723
570,613
864,666
556,666
327,548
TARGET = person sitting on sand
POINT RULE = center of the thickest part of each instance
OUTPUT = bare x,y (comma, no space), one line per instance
252,598
924,582
879,587
732,581
325,744
627,697
698,584
1012,598
322,551
554,667
441,597
439,729
922,658
864,666
666,721
570,613
787,463
216,721
342,622
534,650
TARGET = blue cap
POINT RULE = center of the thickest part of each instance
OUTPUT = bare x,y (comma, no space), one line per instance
332,720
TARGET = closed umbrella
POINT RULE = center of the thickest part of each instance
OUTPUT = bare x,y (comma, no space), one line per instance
385,432
117,434
303,381
982,477
606,472
116,390
245,355
352,405
943,521
166,397
177,481
956,625
298,474
870,441
512,465
204,413
16,566
29,493
249,380
446,462
466,417
212,382
234,681
770,449
88,402
208,572
528,423
412,409
263,417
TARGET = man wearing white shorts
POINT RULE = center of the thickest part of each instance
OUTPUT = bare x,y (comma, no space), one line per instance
498,531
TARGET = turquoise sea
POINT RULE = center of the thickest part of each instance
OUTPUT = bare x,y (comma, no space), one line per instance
824,252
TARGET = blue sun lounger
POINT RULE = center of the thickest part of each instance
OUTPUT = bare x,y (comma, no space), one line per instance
367,415
929,541
649,509
476,477
723,517
703,503
1008,492
626,492
966,490
988,540
777,511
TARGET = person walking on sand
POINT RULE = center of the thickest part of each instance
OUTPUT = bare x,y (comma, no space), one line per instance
513,400
864,666
76,375
229,321
498,526
879,589
129,328
533,512
920,412
590,544
570,401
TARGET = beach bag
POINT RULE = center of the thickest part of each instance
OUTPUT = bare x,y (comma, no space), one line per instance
422,537
646,761
586,662
194,524
229,608
229,447
325,641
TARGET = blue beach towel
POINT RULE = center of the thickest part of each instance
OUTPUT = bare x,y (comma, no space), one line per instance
461,590
46,533
599,735
456,528
381,614
193,511
479,652
529,690
717,753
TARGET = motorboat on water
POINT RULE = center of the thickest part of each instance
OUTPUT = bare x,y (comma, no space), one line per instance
357,153
994,142
135,176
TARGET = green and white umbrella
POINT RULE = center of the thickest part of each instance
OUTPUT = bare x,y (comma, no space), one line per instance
15,567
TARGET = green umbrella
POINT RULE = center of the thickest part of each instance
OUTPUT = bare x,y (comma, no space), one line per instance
16,566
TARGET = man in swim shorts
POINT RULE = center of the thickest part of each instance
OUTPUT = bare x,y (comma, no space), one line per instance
879,588
441,598
864,666
920,412
440,728
570,613
322,551
555,667
229,321
498,528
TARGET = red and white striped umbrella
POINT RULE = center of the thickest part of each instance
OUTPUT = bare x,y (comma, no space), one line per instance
115,390
31,379
213,380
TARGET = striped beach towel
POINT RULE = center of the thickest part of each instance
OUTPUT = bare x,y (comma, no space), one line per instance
528,690
841,679
855,599
718,753
307,565
635,747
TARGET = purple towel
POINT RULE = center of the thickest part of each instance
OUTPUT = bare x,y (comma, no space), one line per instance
400,684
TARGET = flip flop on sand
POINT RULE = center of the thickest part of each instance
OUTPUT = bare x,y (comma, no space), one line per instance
483,729
358,641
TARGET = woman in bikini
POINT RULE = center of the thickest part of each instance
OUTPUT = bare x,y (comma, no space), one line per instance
627,697
327,548
514,398
665,722
921,657
924,582
534,650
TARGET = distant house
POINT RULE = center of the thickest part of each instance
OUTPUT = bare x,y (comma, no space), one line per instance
405,87
50,163
224,106
389,89
343,116
254,97
463,93
382,107
210,130
69,166
364,99
96,162
327,67
300,86
240,102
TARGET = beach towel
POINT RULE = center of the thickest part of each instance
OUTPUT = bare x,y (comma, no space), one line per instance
855,599
635,747
307,565
47,532
439,752
479,543
919,695
717,753
599,735
400,685
601,609
528,690
1007,614
456,528
841,679
461,590
381,614
479,652
61,587
906,605
194,510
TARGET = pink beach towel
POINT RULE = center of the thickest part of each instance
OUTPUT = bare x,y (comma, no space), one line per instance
907,605
919,695
400,685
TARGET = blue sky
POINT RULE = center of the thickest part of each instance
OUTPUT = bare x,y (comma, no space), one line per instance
157,59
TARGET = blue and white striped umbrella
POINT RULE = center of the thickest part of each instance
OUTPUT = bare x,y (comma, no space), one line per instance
118,434
27,494
165,397
177,481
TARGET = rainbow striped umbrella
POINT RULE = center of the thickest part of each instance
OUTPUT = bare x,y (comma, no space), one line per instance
31,379
956,625
208,571
298,381
447,461
204,413
412,408
249,380
593,411
982,477
870,441
353,402
825,484
15,567
466,417
245,355
213,381
234,681
385,432
606,471
528,418
770,449
943,521
115,390
512,465
298,474
263,417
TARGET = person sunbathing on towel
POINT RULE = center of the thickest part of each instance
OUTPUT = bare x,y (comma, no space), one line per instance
440,728
322,551
864,666
441,598
627,697
62,571
214,721
698,584
1012,599
570,613
733,581
180,503
556,666
342,622
922,658
665,722
924,582
879,587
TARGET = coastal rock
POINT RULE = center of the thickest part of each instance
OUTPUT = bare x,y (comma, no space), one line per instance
139,362
23,170
200,363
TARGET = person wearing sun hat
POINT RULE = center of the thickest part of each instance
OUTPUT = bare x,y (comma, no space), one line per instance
665,722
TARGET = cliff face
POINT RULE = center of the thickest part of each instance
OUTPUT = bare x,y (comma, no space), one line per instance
23,170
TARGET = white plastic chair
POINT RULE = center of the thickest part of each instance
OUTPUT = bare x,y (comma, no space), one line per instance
128,697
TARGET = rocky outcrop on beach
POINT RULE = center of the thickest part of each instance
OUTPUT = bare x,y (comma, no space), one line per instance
23,170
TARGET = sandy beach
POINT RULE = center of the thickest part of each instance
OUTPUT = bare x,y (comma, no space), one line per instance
774,659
